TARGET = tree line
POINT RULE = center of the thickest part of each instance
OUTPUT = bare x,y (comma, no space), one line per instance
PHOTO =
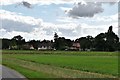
107,41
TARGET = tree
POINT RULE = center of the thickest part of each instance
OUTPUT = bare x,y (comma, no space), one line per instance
106,41
118,46
55,36
100,42
111,39
90,41
19,41
34,43
5,43
86,42
60,43
68,42
82,42
110,29
56,45
13,44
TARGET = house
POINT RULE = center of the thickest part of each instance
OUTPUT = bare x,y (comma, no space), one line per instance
31,47
75,46
13,47
45,45
28,46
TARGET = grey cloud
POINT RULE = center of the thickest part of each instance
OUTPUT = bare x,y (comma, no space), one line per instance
67,32
101,0
26,4
10,25
86,10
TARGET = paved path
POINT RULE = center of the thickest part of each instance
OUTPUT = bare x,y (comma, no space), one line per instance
9,73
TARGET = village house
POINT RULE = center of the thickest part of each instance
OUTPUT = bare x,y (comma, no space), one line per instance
13,47
45,45
75,46
28,46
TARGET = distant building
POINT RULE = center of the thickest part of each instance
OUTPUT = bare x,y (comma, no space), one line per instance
75,46
31,47
45,45
13,47
28,46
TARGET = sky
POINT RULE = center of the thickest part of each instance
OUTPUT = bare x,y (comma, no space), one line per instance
40,19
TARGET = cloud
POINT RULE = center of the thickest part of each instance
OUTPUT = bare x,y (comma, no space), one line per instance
14,22
65,8
73,30
86,10
41,35
68,30
41,2
112,18
34,28
26,4
48,2
18,17
101,0
101,20
11,25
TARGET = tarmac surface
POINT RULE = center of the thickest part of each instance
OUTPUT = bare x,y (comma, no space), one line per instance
6,72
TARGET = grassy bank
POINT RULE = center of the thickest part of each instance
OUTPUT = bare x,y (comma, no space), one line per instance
79,53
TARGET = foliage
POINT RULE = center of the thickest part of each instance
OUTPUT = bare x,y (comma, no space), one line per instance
5,43
107,41
17,42
86,42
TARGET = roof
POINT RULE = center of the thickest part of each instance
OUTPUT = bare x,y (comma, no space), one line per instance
76,44
47,44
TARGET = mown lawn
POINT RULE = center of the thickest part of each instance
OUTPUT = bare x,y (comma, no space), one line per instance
65,64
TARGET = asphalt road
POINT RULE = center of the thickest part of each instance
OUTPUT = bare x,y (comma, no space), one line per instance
9,73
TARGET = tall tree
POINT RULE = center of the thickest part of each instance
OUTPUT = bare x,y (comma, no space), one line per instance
34,43
19,40
100,42
61,43
56,36
106,41
111,39
56,45
110,29
86,42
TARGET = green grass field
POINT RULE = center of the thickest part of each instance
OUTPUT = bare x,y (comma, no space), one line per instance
62,64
